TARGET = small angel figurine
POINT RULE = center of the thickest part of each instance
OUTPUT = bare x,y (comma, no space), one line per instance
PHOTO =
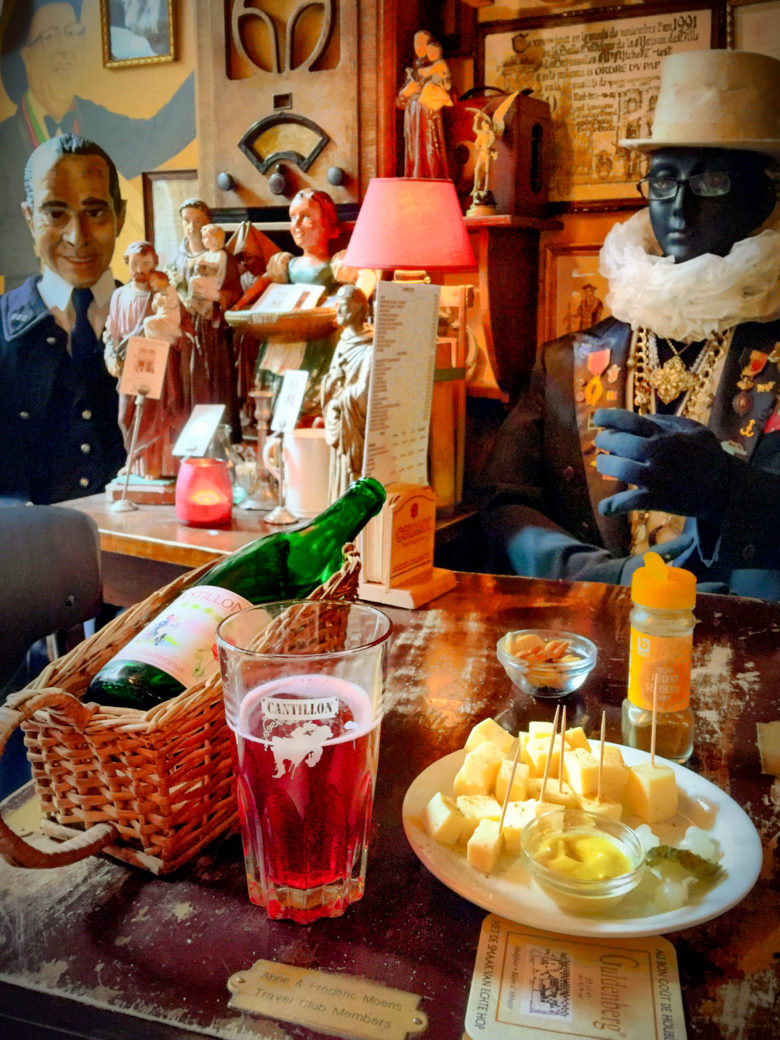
487,129
165,321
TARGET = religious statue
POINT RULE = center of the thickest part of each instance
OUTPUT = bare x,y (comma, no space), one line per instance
345,390
148,306
314,224
129,305
165,320
210,369
425,91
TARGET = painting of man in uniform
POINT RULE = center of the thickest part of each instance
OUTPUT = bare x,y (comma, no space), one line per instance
54,82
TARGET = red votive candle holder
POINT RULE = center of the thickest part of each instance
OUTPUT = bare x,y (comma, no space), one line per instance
204,493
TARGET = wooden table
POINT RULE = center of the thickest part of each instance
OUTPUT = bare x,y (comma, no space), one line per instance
111,952
146,548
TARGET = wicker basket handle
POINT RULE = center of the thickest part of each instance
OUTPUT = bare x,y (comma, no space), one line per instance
14,848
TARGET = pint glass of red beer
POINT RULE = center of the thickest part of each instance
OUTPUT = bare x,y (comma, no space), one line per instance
303,687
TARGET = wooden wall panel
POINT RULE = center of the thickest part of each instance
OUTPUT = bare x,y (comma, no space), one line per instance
234,92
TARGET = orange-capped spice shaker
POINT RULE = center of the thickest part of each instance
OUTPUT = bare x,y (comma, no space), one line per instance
662,623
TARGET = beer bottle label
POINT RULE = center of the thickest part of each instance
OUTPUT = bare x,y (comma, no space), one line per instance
180,640
665,659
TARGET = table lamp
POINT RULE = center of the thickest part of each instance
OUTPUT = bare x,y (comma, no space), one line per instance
410,225
204,493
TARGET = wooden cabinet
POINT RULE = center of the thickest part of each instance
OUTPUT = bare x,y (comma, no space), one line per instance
506,249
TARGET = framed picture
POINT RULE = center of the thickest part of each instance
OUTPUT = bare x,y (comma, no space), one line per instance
572,291
754,25
164,191
598,70
137,33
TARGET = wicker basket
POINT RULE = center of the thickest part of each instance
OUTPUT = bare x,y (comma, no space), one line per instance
152,787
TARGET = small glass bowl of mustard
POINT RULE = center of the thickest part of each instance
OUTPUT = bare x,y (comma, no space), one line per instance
584,862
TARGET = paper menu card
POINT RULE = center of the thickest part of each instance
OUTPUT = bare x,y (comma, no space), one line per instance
529,984
399,404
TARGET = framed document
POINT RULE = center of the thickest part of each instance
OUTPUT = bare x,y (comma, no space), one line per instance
598,69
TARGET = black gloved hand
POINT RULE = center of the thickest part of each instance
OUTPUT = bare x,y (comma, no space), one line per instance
677,465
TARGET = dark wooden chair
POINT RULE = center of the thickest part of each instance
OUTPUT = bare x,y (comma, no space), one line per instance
50,586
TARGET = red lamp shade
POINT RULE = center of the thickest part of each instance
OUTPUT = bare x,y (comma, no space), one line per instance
204,493
410,222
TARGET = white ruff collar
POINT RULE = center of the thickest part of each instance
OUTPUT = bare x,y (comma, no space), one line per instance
688,302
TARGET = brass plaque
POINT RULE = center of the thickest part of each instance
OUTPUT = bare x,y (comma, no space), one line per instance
342,1005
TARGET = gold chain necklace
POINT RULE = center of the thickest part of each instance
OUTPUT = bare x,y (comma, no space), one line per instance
672,379
653,527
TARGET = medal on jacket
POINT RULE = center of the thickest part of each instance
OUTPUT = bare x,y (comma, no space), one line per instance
597,362
742,403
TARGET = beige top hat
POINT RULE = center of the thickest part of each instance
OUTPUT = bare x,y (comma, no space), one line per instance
716,99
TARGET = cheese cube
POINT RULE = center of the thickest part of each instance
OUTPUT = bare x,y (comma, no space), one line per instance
517,816
539,730
575,737
651,792
461,785
535,755
481,766
768,737
614,774
488,730
476,807
484,846
602,807
581,770
442,819
559,794
522,740
540,807
519,790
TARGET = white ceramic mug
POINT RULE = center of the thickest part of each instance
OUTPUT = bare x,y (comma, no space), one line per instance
306,464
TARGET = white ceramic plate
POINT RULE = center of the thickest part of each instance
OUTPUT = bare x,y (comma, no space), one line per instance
510,892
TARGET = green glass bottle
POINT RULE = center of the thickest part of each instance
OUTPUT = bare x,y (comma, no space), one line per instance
174,651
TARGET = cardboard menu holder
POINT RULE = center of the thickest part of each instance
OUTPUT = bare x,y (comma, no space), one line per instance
398,550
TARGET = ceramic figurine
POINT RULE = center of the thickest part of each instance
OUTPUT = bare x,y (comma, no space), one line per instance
129,305
165,321
314,225
148,305
425,91
345,390
209,366
208,270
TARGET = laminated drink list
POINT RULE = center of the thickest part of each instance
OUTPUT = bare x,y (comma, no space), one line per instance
175,650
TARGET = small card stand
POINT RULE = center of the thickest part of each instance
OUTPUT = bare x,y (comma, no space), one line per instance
397,551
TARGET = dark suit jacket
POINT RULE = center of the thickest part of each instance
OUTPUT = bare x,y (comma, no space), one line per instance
59,436
134,145
542,495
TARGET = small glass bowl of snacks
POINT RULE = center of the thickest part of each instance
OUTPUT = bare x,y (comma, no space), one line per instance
585,862
544,663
